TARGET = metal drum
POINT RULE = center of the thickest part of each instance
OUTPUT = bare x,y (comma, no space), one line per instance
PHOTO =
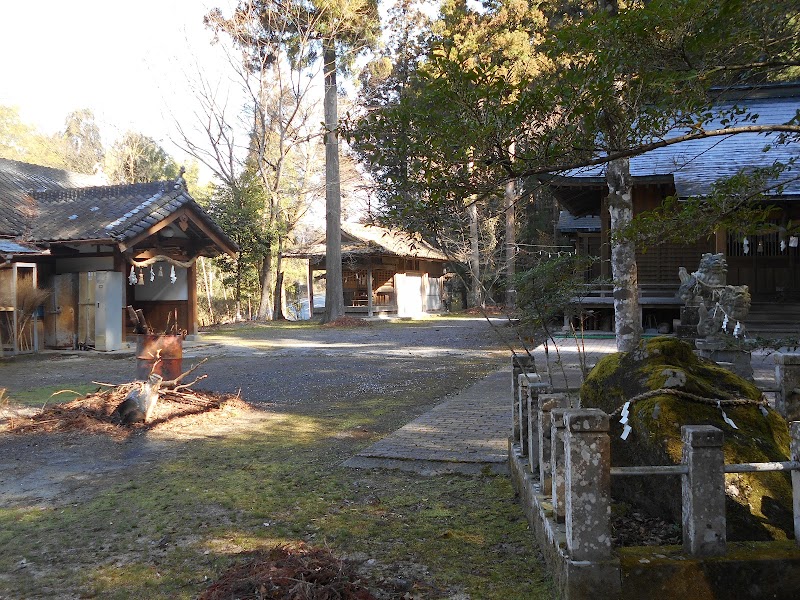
161,354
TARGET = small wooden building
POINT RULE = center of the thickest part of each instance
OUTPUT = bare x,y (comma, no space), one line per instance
74,255
384,271
768,263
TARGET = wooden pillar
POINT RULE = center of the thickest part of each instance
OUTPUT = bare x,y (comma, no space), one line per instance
721,240
310,290
369,289
191,302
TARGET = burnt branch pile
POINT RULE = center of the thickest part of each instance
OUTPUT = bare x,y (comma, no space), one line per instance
99,411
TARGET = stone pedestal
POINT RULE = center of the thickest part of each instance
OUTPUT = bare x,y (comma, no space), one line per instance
787,376
690,317
733,359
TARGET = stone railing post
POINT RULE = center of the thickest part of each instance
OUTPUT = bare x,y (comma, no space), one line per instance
787,376
534,389
547,402
587,486
520,364
703,491
557,460
794,453
523,402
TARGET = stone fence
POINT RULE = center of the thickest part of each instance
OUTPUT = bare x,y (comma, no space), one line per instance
560,460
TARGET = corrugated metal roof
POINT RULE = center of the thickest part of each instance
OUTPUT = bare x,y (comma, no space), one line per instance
569,224
12,247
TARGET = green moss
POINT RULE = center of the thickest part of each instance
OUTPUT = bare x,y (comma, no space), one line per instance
759,503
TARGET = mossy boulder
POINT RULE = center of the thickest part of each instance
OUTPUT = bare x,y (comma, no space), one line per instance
759,505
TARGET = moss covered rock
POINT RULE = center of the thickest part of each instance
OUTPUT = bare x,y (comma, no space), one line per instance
759,505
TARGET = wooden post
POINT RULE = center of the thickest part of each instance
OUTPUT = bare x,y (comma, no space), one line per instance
191,304
787,376
703,491
370,309
310,290
794,453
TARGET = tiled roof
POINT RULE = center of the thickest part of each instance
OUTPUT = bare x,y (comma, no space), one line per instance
116,212
696,165
60,209
369,239
17,179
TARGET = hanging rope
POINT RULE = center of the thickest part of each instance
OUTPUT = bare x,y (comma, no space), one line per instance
692,398
162,258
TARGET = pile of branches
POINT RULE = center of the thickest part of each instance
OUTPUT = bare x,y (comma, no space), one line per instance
94,412
298,572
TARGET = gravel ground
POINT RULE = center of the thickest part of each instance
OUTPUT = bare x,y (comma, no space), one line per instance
289,365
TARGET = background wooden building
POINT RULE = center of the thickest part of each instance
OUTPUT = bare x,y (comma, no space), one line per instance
83,253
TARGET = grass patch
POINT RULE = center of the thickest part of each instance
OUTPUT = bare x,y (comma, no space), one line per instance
175,526
168,529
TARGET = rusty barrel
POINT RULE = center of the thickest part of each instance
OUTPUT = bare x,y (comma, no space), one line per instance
162,354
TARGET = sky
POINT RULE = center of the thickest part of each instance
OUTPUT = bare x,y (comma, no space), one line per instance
129,62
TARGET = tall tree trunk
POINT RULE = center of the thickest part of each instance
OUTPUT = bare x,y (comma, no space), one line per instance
627,325
511,239
207,285
474,255
334,293
264,312
277,296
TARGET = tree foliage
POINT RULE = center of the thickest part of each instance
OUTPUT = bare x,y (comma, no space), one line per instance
84,151
136,158
567,85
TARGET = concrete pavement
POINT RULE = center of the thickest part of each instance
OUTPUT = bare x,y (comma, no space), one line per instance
469,432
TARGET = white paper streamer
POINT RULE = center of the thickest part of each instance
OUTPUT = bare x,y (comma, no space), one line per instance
626,432
132,277
172,277
725,417
152,275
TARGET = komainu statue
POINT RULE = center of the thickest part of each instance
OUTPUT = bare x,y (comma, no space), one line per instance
721,308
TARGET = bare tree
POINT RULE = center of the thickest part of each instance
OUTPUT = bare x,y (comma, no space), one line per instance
270,132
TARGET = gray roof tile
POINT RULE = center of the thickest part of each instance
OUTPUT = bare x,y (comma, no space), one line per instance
698,164
63,209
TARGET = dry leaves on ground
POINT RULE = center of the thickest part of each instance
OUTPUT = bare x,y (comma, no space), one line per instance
298,572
